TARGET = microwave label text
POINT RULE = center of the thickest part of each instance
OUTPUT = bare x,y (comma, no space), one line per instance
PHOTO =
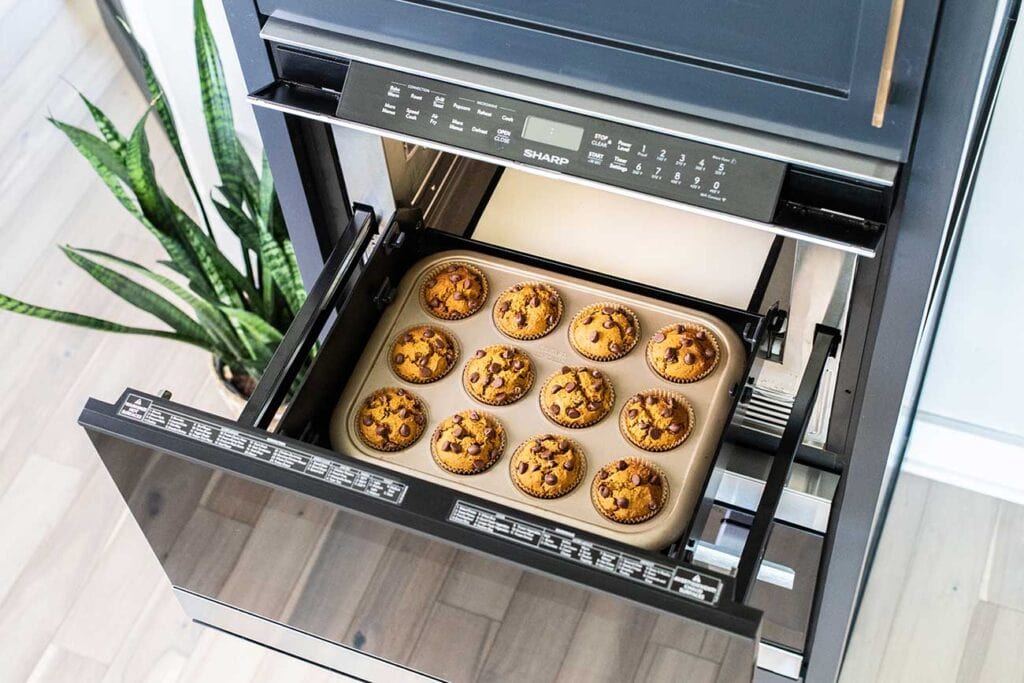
545,156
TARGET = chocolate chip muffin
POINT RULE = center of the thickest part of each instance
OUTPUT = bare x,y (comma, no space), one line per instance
656,420
391,419
604,331
683,352
454,291
528,310
498,375
423,354
468,442
629,491
547,466
577,397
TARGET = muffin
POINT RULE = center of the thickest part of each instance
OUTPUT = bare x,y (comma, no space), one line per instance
604,331
547,466
454,291
391,419
629,491
423,354
468,442
577,397
656,420
683,353
498,375
528,310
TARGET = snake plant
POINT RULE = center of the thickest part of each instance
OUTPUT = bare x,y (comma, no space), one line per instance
238,314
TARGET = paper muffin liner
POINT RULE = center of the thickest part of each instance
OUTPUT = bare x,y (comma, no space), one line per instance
690,326
547,330
438,270
663,394
578,425
495,454
509,399
596,484
420,380
394,448
582,468
597,307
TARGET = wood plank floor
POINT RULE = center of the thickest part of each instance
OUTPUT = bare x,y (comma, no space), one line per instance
82,598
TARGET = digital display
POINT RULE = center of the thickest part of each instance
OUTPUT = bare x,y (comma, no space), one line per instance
553,133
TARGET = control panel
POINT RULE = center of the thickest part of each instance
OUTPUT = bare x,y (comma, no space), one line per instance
565,142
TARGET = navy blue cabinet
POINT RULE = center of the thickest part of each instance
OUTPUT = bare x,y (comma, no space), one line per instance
803,68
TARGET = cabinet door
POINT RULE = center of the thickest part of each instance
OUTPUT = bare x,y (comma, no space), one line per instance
803,69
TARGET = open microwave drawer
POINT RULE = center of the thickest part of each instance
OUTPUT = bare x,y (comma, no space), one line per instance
275,536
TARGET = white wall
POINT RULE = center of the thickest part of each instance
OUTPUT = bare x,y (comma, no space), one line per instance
165,29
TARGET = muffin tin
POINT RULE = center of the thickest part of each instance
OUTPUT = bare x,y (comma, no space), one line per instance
685,466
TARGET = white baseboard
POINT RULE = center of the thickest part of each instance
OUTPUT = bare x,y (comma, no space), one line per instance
970,460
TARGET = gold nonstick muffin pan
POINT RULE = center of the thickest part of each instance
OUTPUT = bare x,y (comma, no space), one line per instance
685,467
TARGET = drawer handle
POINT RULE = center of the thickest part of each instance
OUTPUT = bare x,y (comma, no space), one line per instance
892,36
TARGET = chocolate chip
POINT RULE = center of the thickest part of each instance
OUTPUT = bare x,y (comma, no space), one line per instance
495,367
452,267
404,430
603,474
607,310
607,324
604,491
520,320
424,372
569,465
419,419
651,399
687,342
701,335
506,354
430,283
572,413
458,431
555,388
522,467
586,321
422,362
565,370
381,430
658,338
400,392
622,464
497,382
594,336
635,479
367,420
454,277
598,385
591,406
632,413
474,378
435,302
456,419
563,446
467,283
535,301
570,386
666,412
629,331
709,353
500,396
517,288
680,329
555,409
479,464
456,448
655,433
480,353
675,428
689,359
399,359
428,333
473,449
550,479
622,503
671,355
536,467
503,307
403,412
655,479
517,364
614,347
551,319
596,374
459,296
517,390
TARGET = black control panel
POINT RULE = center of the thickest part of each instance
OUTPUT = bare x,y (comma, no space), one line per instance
565,142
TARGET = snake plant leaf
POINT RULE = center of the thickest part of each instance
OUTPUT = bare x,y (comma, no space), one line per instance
220,124
240,224
208,314
276,262
16,306
105,126
142,297
99,152
142,177
260,329
266,193
229,284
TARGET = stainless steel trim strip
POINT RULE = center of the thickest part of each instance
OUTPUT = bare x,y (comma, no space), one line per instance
777,660
721,557
790,150
795,507
746,222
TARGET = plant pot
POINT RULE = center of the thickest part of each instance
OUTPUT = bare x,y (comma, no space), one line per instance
236,390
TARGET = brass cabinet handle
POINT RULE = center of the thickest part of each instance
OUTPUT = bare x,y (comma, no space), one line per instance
892,36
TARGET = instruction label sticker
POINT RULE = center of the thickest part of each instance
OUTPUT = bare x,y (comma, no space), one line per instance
268,450
670,578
